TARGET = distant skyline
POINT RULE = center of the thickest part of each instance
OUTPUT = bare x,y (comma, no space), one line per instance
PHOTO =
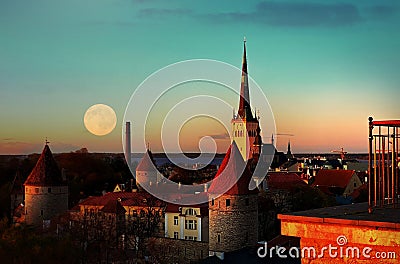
324,65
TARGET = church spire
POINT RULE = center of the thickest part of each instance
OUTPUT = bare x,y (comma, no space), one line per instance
244,104
289,154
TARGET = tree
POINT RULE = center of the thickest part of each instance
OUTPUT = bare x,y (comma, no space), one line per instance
24,244
144,224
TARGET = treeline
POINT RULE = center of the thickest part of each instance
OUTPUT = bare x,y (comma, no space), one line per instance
87,174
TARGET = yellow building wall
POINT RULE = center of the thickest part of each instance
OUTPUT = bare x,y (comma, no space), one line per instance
239,133
181,228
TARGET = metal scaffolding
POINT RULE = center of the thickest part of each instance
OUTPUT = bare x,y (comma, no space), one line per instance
383,165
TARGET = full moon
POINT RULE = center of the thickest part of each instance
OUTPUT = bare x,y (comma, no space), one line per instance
100,119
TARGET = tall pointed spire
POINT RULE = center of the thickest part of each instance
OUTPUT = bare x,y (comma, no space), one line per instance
244,104
289,153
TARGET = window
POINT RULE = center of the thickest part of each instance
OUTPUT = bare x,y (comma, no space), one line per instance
190,211
212,201
49,190
247,201
355,184
228,202
219,238
191,224
36,190
176,220
176,235
190,238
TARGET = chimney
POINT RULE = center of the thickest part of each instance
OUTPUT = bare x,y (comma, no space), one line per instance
128,151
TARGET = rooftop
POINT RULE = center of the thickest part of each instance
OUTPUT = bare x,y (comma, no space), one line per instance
233,174
127,199
353,214
46,171
284,180
330,178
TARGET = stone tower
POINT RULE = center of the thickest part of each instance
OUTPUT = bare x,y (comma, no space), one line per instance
233,216
146,171
244,124
46,192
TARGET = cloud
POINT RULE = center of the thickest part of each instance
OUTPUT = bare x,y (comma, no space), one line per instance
303,14
279,14
380,11
220,136
163,12
18,147
286,14
13,147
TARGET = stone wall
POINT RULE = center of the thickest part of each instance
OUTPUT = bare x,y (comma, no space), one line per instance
235,226
344,235
169,250
43,203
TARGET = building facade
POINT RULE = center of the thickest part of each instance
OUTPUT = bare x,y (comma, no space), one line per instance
187,222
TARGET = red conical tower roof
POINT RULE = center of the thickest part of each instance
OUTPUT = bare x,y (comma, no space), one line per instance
233,174
46,171
147,162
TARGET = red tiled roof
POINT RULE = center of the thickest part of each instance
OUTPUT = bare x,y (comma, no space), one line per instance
284,180
127,199
233,174
46,171
176,208
113,207
333,178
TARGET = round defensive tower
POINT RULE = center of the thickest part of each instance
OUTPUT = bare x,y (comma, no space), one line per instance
146,171
233,216
46,192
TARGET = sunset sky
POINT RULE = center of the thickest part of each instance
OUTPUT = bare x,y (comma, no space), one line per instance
324,65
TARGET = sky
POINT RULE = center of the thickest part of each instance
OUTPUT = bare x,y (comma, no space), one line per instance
324,65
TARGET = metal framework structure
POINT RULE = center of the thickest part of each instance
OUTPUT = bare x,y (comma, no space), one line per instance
383,166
